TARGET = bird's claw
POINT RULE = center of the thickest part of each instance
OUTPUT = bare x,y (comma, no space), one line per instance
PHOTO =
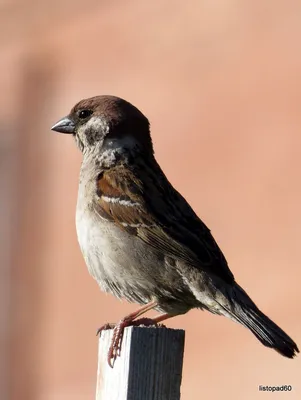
115,346
118,331
105,327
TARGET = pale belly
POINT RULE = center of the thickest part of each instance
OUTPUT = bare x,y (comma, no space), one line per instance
124,266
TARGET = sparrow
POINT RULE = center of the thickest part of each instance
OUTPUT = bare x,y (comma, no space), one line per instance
140,238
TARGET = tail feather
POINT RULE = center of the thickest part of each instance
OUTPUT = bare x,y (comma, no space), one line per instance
268,332
243,310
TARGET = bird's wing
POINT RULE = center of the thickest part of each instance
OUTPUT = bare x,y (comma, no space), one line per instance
143,202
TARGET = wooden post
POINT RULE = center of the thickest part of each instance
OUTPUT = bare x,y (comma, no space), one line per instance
149,367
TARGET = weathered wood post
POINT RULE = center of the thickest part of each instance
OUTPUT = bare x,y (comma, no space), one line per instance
149,367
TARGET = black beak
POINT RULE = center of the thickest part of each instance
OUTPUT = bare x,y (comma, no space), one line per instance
64,125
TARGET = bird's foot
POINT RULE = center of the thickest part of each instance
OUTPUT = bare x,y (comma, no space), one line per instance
118,331
105,327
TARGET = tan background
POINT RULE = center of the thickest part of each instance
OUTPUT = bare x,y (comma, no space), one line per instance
220,82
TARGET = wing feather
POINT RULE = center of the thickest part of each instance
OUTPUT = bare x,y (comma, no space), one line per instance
142,201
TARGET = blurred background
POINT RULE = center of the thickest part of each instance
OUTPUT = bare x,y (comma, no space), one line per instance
220,82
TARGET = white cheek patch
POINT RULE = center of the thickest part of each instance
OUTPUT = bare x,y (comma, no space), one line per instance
96,126
97,123
94,123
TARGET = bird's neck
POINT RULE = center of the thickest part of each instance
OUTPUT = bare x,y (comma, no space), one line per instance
113,152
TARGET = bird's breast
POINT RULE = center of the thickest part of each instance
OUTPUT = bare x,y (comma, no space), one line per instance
120,263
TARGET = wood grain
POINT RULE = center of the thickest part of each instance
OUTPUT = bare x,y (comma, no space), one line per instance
149,367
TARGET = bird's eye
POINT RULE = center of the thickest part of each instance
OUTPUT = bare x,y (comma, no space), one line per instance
82,114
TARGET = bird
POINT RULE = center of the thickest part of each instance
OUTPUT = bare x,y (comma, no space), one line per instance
140,239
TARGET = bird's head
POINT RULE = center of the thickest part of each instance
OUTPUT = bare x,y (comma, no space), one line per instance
105,123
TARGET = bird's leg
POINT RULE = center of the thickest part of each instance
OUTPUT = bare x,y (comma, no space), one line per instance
115,346
130,317
116,342
152,321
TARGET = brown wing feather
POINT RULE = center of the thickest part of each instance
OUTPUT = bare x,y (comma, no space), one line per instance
150,208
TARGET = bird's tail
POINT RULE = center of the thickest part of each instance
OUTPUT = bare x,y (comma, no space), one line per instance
242,309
